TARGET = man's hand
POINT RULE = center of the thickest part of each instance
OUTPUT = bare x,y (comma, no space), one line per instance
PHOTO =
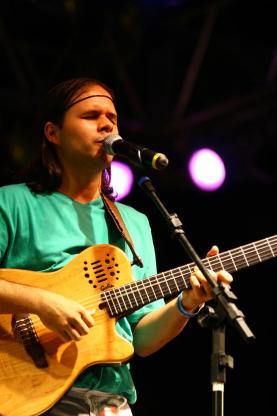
201,290
66,317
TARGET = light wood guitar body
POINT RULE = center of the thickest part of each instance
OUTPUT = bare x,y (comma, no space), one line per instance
26,390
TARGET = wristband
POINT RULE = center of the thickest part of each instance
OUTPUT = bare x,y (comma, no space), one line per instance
182,310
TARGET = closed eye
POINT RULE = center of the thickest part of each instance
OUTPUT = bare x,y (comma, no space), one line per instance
94,115
112,117
91,115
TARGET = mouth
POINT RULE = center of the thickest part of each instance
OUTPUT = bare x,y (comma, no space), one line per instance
101,139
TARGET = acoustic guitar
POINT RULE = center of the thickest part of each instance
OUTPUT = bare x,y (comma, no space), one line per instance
37,367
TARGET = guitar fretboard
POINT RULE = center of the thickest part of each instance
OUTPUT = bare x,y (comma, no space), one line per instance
124,299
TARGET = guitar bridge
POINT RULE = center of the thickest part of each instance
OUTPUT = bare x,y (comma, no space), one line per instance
25,333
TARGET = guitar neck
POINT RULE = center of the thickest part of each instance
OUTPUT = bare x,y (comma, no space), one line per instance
125,299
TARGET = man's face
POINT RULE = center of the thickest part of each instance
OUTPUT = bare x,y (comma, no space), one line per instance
85,125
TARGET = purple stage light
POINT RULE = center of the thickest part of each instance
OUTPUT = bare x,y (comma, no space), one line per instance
122,179
206,169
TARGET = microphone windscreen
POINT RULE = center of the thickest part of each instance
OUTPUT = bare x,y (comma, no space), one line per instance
108,143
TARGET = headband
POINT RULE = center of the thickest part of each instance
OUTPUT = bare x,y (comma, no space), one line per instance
85,98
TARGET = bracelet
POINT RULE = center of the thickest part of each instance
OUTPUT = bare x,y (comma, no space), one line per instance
182,310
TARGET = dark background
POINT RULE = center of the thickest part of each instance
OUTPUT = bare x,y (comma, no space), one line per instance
186,73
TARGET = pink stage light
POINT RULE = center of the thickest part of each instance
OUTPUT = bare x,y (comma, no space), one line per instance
206,169
122,179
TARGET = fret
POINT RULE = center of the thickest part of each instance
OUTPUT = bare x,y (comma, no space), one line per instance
226,263
273,247
272,253
109,297
160,293
115,301
261,250
265,250
125,303
150,289
173,283
219,257
166,286
244,255
214,262
181,279
231,257
239,258
190,267
178,280
129,297
255,258
118,292
257,252
143,292
207,263
184,277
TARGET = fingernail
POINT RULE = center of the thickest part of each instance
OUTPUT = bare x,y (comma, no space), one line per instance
91,311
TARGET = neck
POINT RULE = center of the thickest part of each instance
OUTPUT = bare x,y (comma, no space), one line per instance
81,189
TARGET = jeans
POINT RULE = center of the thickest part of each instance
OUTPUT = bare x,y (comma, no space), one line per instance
85,402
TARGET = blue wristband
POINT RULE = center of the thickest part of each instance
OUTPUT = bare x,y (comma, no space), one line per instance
182,310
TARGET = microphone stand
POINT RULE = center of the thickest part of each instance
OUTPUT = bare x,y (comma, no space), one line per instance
225,309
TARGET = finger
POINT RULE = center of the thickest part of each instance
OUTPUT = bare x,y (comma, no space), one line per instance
91,311
65,336
202,289
199,275
203,284
224,276
76,334
87,317
194,281
213,251
80,327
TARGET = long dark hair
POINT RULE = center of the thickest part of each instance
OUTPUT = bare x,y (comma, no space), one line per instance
45,173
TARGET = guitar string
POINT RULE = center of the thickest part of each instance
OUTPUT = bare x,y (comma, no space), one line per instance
127,289
147,283
217,262
178,272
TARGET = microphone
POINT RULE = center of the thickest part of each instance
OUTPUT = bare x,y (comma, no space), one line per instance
139,155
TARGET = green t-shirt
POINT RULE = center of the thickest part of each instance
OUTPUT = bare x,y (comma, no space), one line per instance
43,232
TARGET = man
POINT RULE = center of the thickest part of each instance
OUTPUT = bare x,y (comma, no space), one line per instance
60,212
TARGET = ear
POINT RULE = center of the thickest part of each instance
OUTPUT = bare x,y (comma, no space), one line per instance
51,132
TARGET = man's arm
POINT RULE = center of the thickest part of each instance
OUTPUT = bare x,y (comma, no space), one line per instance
160,326
68,318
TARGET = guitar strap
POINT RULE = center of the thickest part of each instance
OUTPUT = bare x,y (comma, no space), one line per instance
116,217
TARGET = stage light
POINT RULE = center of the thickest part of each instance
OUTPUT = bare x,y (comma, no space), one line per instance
206,169
122,179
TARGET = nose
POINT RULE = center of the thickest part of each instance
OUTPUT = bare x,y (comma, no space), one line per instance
105,124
